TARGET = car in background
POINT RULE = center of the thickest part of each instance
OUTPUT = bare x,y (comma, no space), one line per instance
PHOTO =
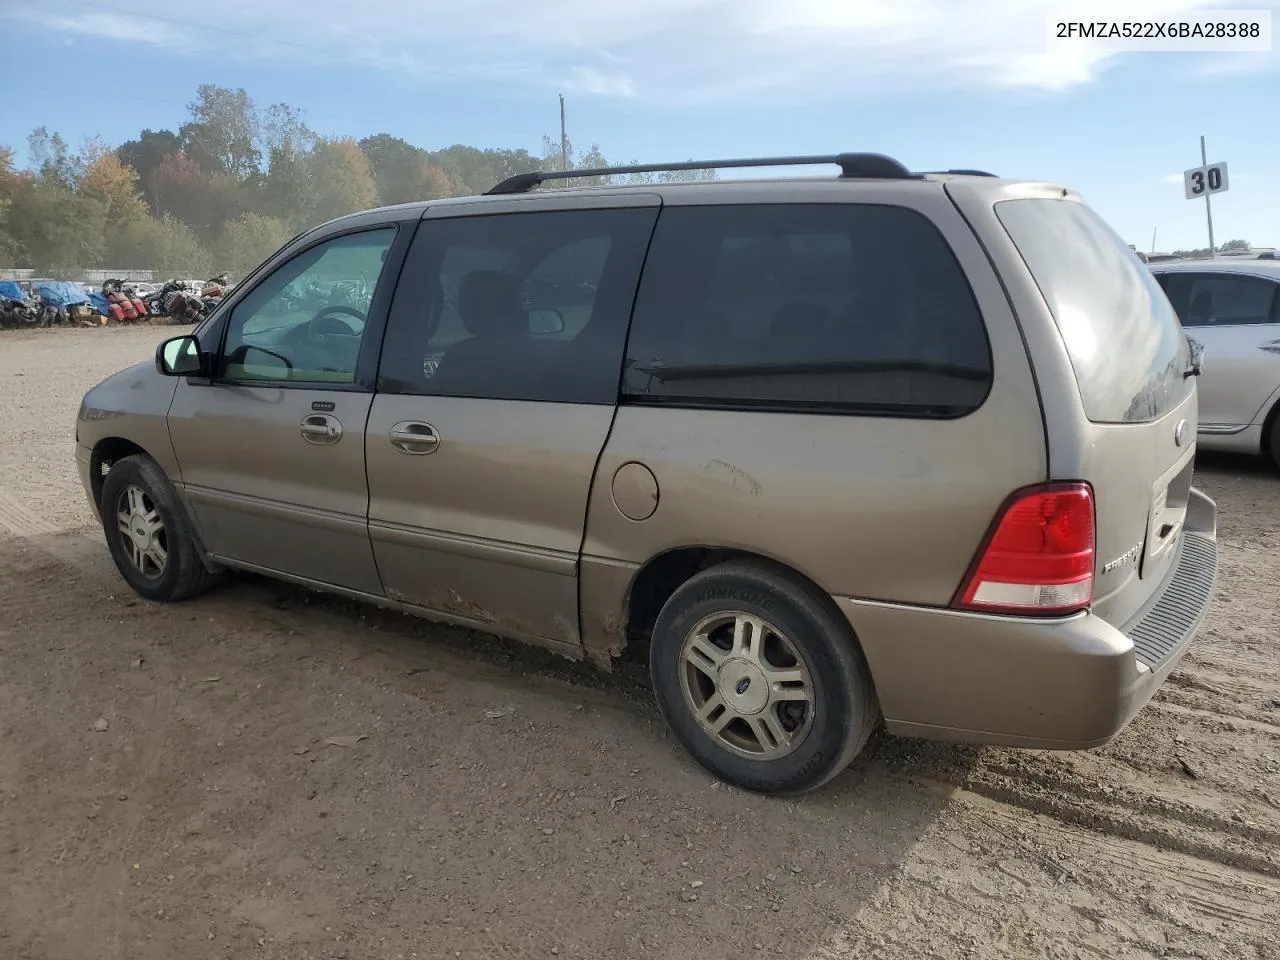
1231,308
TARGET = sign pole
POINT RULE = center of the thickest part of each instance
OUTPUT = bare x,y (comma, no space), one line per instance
565,138
1208,208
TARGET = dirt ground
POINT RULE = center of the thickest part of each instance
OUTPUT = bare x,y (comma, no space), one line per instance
486,800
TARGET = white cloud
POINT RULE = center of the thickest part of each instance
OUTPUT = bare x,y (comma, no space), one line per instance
590,80
1241,64
681,51
106,27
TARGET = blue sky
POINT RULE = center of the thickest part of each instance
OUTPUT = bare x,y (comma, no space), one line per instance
936,83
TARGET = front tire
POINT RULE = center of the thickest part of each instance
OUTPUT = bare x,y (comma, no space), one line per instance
148,534
1275,441
760,680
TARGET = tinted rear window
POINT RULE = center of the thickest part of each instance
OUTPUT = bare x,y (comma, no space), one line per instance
854,308
1125,342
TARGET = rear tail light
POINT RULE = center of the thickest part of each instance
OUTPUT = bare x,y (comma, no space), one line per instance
1039,555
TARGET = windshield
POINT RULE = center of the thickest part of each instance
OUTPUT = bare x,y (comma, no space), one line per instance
1125,342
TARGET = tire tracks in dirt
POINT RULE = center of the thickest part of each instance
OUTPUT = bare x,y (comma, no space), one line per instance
96,911
1021,884
1218,891
1114,814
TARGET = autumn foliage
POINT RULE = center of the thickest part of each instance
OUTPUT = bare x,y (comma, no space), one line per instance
224,191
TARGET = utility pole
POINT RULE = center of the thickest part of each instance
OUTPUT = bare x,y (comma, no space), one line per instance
1153,238
565,142
1208,207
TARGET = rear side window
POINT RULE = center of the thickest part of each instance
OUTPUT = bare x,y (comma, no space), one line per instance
1126,345
1221,300
798,307
516,306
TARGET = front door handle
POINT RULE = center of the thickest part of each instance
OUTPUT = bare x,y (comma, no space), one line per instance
414,437
321,428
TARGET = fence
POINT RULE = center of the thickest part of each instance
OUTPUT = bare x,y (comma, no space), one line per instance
80,276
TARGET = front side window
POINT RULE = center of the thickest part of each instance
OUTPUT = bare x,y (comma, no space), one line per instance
855,308
522,306
1218,300
305,321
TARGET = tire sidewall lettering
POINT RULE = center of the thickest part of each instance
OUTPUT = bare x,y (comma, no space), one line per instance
721,593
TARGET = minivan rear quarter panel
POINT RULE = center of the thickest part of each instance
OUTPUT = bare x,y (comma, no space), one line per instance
1130,465
887,508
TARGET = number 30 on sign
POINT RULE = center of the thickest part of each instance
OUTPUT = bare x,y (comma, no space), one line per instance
1200,181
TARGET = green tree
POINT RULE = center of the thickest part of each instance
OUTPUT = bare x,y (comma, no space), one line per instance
51,159
144,156
554,154
474,170
593,159
341,179
165,245
9,181
687,176
52,229
404,173
286,189
280,126
202,200
238,181
222,134
248,240
396,165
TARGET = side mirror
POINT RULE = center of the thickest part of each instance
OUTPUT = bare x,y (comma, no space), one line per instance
545,322
265,364
180,357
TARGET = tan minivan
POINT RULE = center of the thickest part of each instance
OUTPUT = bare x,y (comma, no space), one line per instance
877,445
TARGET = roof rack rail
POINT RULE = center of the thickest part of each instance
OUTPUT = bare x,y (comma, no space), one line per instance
962,173
852,165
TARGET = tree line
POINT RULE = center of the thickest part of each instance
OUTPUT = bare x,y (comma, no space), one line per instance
230,186
1227,247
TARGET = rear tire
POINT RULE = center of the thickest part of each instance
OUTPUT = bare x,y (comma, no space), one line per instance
760,680
148,533
1275,439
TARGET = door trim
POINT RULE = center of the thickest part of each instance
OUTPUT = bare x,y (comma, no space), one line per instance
475,548
1221,428
275,509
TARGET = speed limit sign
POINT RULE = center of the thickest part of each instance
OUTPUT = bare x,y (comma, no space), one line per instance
1201,181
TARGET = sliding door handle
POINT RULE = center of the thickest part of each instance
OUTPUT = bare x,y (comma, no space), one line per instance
414,437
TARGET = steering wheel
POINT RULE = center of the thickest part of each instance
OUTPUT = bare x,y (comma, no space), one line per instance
326,323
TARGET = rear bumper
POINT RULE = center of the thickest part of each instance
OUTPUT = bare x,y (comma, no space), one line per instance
1066,684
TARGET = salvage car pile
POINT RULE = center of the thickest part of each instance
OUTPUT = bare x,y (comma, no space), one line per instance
45,303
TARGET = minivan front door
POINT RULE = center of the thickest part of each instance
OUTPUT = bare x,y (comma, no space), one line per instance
496,391
271,447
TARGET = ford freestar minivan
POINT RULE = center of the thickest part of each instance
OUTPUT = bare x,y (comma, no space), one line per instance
876,446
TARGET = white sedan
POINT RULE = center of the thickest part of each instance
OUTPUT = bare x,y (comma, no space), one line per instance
1231,307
